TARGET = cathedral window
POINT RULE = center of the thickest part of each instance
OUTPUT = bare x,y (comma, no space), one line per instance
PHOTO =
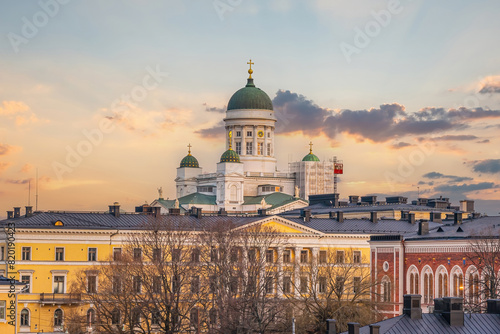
238,133
238,147
249,148
260,147
269,135
269,149
249,133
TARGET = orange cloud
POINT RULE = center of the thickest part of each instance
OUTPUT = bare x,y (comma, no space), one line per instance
4,165
19,112
26,168
7,149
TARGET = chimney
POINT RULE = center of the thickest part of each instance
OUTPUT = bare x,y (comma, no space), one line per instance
493,306
423,227
373,217
331,214
222,212
453,310
156,211
17,212
436,217
457,218
331,326
438,305
340,216
262,212
29,211
411,306
374,329
115,209
10,214
411,217
306,214
353,327
353,199
174,211
196,212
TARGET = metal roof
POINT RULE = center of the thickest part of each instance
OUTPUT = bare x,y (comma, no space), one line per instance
474,323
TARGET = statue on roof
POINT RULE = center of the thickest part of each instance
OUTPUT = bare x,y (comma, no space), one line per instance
263,203
176,204
297,192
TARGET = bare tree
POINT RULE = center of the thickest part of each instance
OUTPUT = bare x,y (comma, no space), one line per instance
483,280
336,284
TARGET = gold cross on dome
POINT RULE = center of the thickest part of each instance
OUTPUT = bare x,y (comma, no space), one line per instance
189,148
310,147
250,71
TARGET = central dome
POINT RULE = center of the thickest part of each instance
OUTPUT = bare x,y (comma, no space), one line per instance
250,97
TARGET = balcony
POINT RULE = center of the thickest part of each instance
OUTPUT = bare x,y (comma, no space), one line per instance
60,298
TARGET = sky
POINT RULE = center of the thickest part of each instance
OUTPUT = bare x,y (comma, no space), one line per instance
101,98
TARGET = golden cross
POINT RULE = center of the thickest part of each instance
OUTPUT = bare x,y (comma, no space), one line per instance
250,71
189,148
230,141
310,147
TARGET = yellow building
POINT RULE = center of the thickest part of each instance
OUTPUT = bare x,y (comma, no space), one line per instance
53,248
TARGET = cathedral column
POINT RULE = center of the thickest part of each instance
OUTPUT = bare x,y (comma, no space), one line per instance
265,142
243,140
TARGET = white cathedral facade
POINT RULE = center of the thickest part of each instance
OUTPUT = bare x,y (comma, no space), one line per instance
246,179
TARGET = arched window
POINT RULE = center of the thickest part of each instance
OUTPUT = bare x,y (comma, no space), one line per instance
473,287
58,317
413,280
442,284
25,317
428,285
386,290
212,314
90,317
457,282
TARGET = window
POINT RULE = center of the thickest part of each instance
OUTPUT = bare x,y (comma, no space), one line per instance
92,254
58,284
214,254
260,148
137,284
157,284
195,255
206,189
269,284
249,148
234,255
92,284
213,284
268,149
137,254
59,254
322,284
385,293
117,254
356,257
303,284
156,254
356,284
269,135
136,316
175,284
58,317
117,284
286,256
458,285
212,315
428,288
340,256
26,279
287,284
90,317
233,285
238,147
270,256
26,253
249,133
304,256
339,285
25,317
176,255
195,284
193,317
322,256
2,253
474,287
115,317
2,309
155,318
238,133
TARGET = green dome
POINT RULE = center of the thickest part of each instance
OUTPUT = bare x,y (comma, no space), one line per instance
250,97
310,157
230,156
189,161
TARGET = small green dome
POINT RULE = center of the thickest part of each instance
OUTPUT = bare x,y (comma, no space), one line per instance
189,161
310,157
250,97
230,156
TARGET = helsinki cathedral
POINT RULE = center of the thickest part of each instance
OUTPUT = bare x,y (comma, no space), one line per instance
246,178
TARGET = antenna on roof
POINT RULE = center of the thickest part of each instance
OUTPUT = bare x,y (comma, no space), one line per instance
29,192
36,196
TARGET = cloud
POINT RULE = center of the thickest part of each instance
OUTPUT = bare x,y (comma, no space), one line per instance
489,166
7,149
399,145
13,181
4,165
483,141
20,112
215,109
296,113
465,187
455,137
452,178
490,85
217,131
26,168
430,183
